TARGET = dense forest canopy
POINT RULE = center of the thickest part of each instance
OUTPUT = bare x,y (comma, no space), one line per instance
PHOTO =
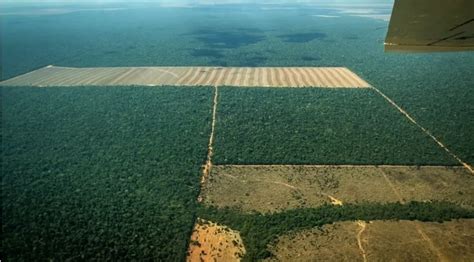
101,173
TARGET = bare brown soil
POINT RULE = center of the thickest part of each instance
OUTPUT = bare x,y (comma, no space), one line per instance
379,241
211,242
281,187
326,77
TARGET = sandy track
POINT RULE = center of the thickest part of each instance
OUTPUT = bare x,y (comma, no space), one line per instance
362,226
206,170
323,77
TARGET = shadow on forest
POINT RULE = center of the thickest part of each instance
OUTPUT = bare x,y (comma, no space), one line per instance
253,61
228,39
244,62
216,54
301,38
310,58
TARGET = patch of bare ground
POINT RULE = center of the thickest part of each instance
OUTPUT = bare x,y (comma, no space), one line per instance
379,241
212,242
324,77
280,187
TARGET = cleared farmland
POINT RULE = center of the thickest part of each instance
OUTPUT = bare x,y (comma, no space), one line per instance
379,241
279,187
327,77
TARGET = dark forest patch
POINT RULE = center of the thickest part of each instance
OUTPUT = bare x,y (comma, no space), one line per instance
302,37
310,58
111,52
252,61
219,63
216,54
228,39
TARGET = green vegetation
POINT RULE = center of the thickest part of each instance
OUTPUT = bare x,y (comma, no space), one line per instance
432,87
113,173
438,95
259,230
317,126
101,173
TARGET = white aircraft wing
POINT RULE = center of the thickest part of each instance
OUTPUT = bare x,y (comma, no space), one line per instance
431,26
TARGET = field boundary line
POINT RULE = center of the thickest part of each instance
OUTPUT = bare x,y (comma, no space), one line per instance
426,131
321,165
206,171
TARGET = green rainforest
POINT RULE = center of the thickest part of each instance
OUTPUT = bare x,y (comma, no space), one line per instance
113,173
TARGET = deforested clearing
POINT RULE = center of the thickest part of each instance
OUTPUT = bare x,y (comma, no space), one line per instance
324,77
270,188
213,242
379,241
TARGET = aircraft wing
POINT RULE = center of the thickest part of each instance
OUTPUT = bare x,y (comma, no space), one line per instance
431,26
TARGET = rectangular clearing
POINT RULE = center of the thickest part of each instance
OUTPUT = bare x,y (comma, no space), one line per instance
269,188
326,77
379,241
